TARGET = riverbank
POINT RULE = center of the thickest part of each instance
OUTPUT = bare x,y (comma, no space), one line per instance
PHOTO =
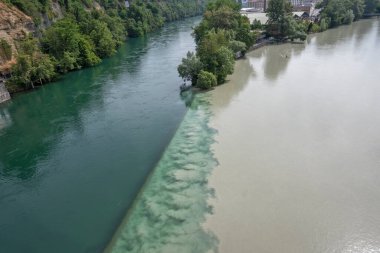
98,29
297,146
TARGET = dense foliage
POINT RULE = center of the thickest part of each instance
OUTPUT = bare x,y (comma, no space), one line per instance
222,33
338,12
281,22
372,6
206,80
32,67
89,31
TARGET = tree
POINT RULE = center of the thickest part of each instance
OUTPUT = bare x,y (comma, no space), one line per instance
358,8
238,46
67,62
22,71
293,29
5,50
371,5
338,12
222,18
206,80
72,49
208,47
102,39
256,25
84,34
243,32
276,11
87,56
221,32
281,21
64,36
190,68
324,25
225,64
43,70
32,66
218,4
348,17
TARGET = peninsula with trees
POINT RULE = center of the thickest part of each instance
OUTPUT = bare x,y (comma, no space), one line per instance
225,35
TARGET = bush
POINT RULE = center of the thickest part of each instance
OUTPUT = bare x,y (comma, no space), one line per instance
225,64
348,17
238,46
190,68
206,80
315,28
324,25
256,25
5,50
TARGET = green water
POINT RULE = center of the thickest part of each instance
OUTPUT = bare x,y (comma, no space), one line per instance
167,216
74,154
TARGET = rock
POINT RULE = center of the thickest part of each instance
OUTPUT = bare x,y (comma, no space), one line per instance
14,26
4,94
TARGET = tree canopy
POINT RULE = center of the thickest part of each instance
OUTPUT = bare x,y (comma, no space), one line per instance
221,33
281,23
339,12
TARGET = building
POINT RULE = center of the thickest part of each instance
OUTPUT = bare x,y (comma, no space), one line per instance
257,5
262,17
261,5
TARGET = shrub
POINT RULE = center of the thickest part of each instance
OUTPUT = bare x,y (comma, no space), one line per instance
5,50
324,25
206,80
190,68
256,25
315,28
238,46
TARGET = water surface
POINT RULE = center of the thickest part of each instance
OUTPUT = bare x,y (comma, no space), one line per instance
299,147
74,154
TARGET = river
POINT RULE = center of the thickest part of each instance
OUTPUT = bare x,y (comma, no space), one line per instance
298,147
75,153
284,157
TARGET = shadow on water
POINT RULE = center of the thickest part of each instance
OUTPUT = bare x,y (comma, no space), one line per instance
57,106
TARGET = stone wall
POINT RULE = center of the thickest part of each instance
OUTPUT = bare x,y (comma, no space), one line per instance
4,94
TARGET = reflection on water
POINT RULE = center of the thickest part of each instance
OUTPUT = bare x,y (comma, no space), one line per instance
244,70
5,119
276,58
41,117
74,154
